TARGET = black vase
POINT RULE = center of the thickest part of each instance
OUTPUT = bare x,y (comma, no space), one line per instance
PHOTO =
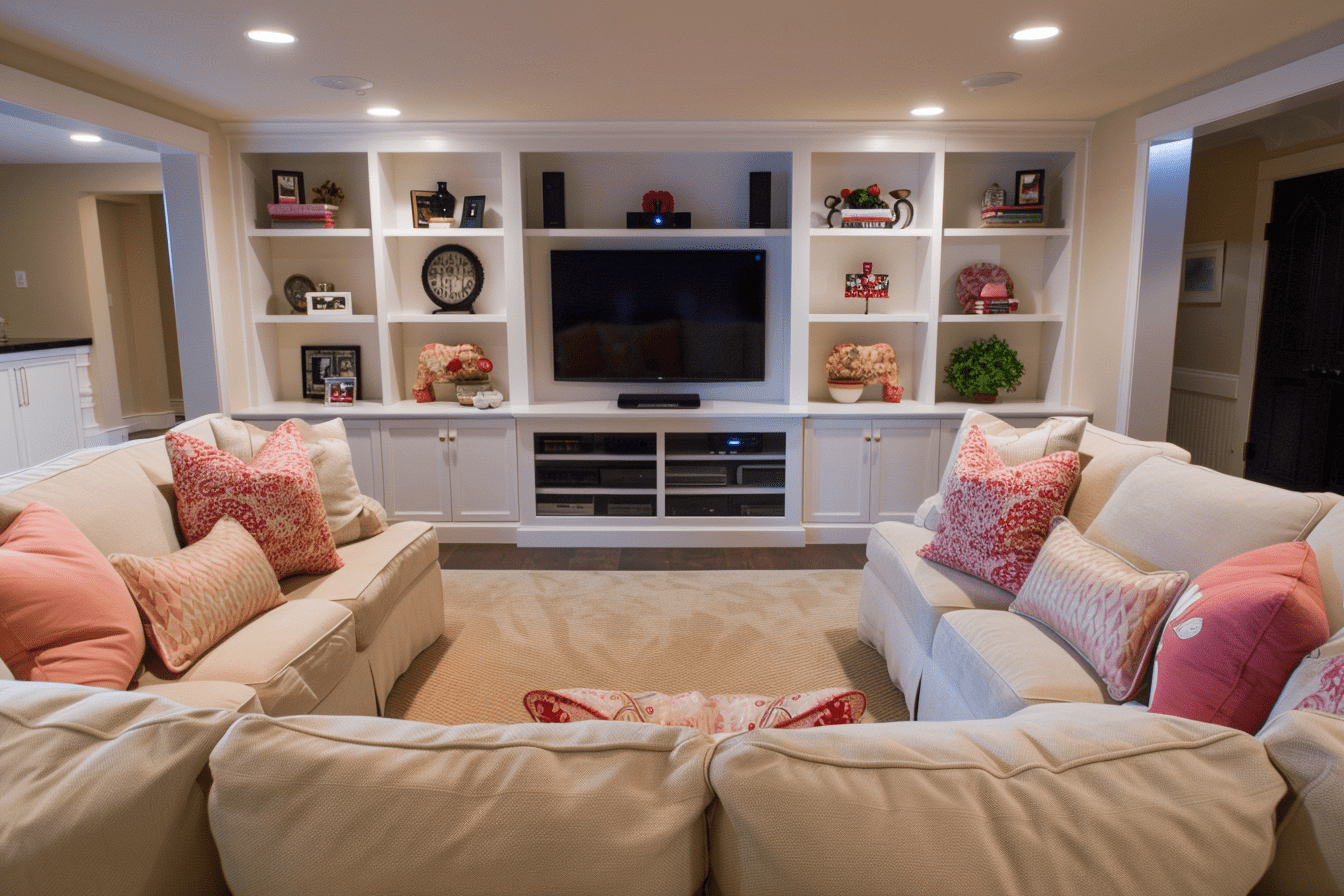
442,204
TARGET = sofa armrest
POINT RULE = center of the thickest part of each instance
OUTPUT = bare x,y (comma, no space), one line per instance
207,694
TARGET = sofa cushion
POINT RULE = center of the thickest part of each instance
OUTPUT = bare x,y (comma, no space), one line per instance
192,598
996,517
1307,748
716,714
1327,540
1002,662
65,614
374,576
1106,458
302,806
104,792
1161,514
293,656
275,497
1107,610
1013,444
1052,800
1237,634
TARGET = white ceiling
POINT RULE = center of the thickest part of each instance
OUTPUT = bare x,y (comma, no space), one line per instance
672,60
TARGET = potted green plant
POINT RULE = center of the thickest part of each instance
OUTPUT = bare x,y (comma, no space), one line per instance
981,369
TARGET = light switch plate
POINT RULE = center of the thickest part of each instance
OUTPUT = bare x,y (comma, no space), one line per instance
21,279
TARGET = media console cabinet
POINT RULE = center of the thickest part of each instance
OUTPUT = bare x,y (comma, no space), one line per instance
816,469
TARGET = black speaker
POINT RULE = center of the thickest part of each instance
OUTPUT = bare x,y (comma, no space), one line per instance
553,199
758,214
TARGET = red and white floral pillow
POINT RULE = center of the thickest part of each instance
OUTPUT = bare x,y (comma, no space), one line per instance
995,517
719,714
275,497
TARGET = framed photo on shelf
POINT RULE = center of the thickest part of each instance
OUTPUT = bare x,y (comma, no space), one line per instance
1030,187
473,211
338,390
330,303
1202,274
420,207
287,187
322,362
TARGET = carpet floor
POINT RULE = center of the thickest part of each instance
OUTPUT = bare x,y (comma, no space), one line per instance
770,632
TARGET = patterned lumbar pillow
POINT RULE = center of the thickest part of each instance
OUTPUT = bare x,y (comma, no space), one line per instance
192,598
718,714
1236,635
275,497
1106,608
995,517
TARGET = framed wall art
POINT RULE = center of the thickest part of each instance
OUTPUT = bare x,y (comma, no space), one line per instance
1030,187
287,187
321,362
473,211
420,207
338,390
1202,273
330,303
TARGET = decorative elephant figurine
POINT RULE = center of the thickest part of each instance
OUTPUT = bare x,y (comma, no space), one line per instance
448,364
868,363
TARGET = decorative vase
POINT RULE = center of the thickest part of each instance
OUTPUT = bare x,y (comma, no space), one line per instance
442,205
845,391
986,397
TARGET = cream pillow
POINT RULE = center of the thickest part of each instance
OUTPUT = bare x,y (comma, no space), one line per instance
1012,444
350,514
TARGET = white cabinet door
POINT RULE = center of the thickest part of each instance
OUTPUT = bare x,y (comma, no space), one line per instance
11,446
905,467
837,461
366,455
49,415
415,471
483,462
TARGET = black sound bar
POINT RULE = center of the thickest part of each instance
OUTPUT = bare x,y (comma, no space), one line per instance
633,400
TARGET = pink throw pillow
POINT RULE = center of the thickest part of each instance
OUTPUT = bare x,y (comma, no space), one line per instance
1237,634
995,517
64,613
1328,695
1107,609
712,715
192,598
275,497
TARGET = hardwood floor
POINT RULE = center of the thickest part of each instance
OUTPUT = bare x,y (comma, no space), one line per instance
507,556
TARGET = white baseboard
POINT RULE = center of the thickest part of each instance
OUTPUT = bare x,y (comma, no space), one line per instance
102,437
141,422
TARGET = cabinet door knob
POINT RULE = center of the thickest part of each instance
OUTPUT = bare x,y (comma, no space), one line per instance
443,438
452,437
877,438
867,438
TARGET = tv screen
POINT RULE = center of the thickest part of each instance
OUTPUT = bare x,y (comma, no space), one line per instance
664,316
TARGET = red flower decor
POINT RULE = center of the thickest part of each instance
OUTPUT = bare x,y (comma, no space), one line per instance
484,365
659,202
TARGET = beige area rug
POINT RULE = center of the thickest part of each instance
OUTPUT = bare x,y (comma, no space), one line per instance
740,632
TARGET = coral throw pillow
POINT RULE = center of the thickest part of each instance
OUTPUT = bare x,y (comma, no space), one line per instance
1109,611
275,497
194,597
1235,637
995,517
713,715
64,612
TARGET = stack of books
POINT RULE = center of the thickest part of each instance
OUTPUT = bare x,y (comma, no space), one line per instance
310,214
992,306
1012,216
865,217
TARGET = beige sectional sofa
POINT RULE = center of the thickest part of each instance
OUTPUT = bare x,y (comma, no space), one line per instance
337,644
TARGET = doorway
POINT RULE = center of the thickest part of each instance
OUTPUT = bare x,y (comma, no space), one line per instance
1296,435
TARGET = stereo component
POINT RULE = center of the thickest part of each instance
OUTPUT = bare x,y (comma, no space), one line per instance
733,443
761,475
564,508
696,475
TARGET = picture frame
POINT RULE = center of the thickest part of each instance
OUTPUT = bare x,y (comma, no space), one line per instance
1030,187
1202,273
473,211
322,362
339,391
287,187
420,208
329,303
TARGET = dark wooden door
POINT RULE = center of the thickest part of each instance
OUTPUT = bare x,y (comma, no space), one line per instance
1297,407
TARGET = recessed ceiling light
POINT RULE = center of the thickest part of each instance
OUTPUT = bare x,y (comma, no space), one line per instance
1042,32
270,36
86,138
927,111
992,79
384,111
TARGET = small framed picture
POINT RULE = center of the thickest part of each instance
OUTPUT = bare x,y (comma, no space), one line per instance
328,303
338,390
322,362
473,211
1202,274
288,186
1030,187
420,206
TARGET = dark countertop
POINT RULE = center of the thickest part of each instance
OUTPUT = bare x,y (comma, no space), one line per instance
36,343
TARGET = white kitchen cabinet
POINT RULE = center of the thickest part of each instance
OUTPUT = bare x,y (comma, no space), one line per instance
39,410
859,471
450,470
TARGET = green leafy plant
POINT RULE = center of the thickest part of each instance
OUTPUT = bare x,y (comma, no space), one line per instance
984,367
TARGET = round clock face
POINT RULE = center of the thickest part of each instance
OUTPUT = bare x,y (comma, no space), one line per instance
452,277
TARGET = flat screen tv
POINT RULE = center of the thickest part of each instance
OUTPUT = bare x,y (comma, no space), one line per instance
658,316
